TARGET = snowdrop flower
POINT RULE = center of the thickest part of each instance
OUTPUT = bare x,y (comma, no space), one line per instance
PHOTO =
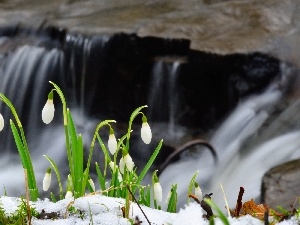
126,160
146,133
1,122
113,167
112,142
198,191
168,197
91,182
157,190
48,110
47,180
68,195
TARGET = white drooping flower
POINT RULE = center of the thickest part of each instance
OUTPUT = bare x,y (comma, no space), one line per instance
48,111
113,167
1,122
168,197
157,192
126,161
146,133
198,191
91,182
69,194
47,180
112,143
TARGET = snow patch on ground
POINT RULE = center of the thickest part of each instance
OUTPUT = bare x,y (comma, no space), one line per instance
102,210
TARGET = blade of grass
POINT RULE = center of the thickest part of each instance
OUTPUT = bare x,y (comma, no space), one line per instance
101,178
173,200
148,165
26,162
220,214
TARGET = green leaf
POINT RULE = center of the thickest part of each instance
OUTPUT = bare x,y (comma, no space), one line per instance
220,214
148,165
26,162
101,178
173,200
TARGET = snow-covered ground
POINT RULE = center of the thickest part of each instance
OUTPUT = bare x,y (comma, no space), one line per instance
97,209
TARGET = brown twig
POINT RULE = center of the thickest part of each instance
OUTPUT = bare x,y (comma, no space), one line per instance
185,147
138,204
195,198
266,214
239,202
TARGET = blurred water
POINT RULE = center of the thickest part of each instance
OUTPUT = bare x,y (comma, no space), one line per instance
164,97
239,166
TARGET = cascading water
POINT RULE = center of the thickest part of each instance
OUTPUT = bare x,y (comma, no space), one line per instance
237,168
164,99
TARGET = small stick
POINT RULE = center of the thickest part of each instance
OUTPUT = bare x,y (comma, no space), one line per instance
266,214
239,202
195,198
27,197
185,147
138,204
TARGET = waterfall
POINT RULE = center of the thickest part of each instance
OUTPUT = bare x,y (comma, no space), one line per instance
164,96
237,166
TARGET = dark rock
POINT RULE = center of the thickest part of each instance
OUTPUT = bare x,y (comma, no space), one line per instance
281,185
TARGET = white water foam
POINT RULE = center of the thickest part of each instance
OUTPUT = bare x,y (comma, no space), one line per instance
234,169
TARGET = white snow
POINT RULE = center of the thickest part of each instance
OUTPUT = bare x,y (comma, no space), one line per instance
102,210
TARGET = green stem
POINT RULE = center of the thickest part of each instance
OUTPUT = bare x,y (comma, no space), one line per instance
132,117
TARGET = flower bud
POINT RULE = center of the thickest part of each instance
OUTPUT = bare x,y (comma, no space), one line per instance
198,191
48,111
126,161
113,167
112,143
91,182
68,195
47,180
146,133
1,122
157,192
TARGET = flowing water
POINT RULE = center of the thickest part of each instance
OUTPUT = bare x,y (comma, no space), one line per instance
164,99
240,165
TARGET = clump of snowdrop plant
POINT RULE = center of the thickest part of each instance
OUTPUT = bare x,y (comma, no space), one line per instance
125,181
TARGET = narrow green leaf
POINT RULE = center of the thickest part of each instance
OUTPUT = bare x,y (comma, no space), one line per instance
26,162
221,215
148,165
101,178
173,200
